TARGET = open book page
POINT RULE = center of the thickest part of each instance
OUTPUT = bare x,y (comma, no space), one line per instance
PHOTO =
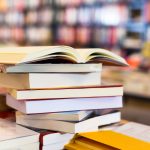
100,55
135,130
53,52
78,55
52,58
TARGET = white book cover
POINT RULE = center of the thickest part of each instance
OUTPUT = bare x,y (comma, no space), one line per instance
13,135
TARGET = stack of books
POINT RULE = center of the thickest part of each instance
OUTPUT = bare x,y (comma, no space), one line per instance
58,88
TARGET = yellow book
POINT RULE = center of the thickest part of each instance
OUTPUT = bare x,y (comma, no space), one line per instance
82,143
107,140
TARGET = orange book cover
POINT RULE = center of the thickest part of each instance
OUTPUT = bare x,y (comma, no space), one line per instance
109,138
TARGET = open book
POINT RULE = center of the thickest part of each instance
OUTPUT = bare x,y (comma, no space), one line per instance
58,54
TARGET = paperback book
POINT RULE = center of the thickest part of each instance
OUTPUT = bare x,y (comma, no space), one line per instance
90,124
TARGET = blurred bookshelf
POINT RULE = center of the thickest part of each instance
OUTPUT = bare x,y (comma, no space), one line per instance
113,24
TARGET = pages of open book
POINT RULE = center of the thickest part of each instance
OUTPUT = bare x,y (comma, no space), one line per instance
51,52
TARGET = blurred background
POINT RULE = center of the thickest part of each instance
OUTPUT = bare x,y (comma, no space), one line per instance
122,26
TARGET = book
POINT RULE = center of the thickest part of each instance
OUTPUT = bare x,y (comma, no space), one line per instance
13,135
108,140
49,80
51,137
66,116
77,115
59,105
90,124
58,54
46,68
85,143
71,92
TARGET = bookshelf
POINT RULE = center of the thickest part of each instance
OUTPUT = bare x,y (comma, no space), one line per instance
113,24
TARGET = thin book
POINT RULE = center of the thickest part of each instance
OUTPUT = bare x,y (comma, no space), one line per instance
70,92
59,105
66,116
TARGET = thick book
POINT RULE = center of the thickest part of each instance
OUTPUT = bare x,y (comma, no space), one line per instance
77,115
90,124
49,80
58,54
59,105
108,140
46,68
71,92
13,135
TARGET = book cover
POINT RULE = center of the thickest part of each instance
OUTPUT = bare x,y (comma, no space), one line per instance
111,140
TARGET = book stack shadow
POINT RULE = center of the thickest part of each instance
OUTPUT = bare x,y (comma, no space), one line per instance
59,100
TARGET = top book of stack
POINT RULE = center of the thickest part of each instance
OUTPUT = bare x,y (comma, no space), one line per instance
57,55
